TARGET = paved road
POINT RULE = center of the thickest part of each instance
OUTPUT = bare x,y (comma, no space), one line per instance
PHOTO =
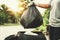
6,31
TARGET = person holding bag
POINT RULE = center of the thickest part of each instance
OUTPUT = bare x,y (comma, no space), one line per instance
54,19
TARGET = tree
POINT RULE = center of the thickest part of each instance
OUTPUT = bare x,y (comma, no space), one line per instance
3,14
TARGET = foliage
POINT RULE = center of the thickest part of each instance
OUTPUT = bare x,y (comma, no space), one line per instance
45,20
3,15
46,16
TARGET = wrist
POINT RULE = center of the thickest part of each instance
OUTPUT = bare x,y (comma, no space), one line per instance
37,5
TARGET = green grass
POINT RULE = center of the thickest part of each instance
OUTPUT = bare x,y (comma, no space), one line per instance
10,24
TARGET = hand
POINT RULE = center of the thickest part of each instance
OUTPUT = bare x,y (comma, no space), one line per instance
31,3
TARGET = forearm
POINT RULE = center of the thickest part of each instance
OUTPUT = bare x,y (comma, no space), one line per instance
43,5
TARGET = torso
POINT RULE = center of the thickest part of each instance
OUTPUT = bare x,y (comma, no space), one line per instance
55,13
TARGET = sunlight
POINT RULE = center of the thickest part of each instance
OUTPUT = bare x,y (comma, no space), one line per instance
13,4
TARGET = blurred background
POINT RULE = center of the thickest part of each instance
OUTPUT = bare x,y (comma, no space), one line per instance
11,11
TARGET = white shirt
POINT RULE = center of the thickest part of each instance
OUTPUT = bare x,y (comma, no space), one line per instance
54,19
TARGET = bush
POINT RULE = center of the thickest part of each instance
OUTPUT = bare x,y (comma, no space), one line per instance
3,17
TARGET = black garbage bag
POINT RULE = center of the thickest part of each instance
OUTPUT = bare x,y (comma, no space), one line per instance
12,37
23,36
32,37
31,18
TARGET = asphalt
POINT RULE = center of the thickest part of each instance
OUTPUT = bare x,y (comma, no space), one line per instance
6,31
